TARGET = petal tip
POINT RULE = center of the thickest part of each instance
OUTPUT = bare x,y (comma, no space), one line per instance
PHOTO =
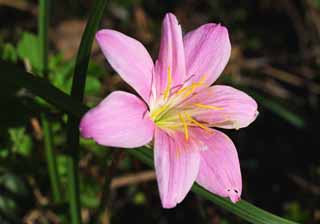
234,195
102,34
168,206
99,35
83,128
171,18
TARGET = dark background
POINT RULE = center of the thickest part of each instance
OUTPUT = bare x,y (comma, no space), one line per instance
275,58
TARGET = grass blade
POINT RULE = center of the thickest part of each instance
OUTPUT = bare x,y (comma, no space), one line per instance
77,92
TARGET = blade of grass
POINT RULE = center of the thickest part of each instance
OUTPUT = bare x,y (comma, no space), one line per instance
77,92
43,26
43,89
18,78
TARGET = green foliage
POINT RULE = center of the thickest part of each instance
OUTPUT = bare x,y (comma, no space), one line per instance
21,141
295,212
317,3
89,192
61,75
8,52
29,50
13,188
139,198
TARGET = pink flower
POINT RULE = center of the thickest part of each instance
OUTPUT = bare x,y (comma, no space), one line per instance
178,109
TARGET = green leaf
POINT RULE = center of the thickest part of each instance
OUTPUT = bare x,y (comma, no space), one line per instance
77,93
14,77
9,53
21,142
29,49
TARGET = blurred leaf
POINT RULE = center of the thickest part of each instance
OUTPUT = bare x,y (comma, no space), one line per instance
295,212
317,3
9,53
4,152
93,86
139,198
280,110
22,143
14,183
62,165
29,49
89,192
13,189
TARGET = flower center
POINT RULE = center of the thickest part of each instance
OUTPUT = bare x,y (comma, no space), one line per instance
176,111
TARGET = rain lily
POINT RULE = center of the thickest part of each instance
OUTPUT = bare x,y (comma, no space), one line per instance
178,109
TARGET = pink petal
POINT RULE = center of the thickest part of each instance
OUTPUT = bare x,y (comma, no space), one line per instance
219,167
171,55
120,120
207,51
129,58
235,108
177,164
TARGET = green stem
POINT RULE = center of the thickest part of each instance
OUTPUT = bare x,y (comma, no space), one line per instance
72,171
77,93
43,25
51,159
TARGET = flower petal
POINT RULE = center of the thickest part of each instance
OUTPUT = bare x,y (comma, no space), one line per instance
120,120
234,108
207,52
129,58
171,55
219,167
177,164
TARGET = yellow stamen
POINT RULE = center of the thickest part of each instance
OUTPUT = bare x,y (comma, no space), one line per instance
207,106
158,111
209,130
203,78
185,126
169,82
169,125
192,87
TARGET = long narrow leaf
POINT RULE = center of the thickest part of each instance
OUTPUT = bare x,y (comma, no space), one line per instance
20,78
77,93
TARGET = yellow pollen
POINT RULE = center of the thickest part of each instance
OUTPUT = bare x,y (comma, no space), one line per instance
207,106
209,130
185,126
169,82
